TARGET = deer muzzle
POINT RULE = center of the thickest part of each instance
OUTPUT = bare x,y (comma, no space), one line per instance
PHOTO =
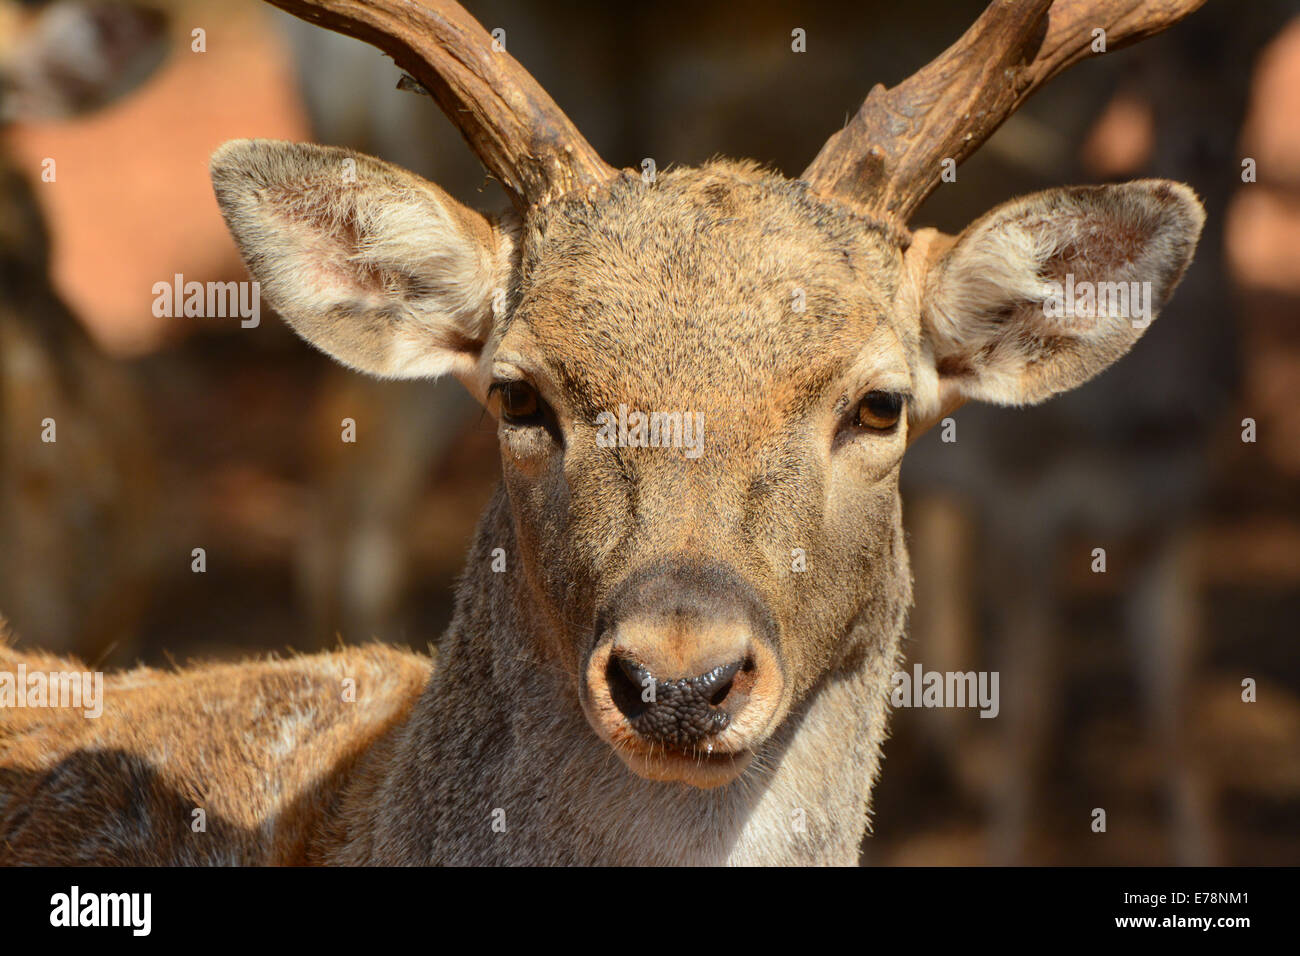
684,678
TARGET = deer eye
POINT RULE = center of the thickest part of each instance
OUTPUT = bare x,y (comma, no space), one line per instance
520,403
878,411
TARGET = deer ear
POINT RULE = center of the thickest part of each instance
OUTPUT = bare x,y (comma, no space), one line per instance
1042,293
370,263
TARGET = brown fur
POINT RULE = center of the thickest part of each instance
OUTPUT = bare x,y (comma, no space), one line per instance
262,748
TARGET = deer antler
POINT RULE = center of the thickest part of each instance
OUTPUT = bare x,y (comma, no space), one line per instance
887,159
509,121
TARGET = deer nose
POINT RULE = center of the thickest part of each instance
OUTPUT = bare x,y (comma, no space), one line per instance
681,712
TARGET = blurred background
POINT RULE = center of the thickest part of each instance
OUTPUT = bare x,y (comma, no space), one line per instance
1120,690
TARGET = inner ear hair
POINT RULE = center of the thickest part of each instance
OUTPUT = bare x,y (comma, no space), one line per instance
372,264
988,298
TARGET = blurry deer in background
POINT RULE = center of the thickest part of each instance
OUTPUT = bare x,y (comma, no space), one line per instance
75,536
657,656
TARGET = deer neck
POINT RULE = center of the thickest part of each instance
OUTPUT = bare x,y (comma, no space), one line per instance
497,763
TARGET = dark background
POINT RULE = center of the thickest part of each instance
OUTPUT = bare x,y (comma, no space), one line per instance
1119,690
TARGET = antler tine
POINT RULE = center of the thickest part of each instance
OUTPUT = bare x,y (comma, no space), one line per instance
509,121
887,160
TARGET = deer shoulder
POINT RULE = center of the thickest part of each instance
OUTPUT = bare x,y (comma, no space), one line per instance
220,764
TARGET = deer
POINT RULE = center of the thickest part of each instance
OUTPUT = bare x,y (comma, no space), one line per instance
75,508
656,658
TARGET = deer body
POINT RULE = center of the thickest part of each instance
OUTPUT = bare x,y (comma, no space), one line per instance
659,654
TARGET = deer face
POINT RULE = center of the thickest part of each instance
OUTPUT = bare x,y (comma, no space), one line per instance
704,388
701,394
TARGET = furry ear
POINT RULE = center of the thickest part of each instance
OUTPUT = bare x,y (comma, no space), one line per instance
1044,292
370,263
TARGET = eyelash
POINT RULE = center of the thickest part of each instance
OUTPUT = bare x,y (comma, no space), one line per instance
502,389
894,408
542,417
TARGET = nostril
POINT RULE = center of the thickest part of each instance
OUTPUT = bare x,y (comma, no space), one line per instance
717,683
721,693
633,671
734,687
626,680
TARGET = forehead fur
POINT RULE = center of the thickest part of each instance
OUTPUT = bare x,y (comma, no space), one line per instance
724,277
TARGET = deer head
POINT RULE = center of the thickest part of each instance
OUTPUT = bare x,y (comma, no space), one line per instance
705,384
